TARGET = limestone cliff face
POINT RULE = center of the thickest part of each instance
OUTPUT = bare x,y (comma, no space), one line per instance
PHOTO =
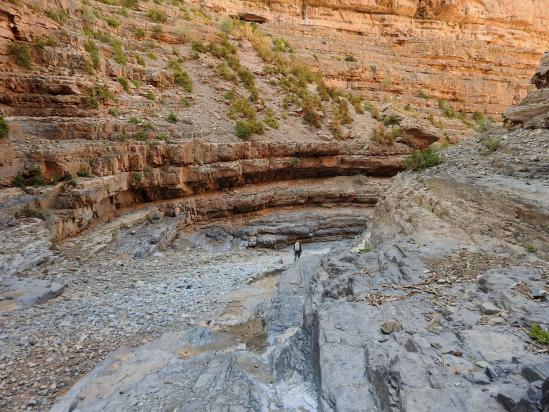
478,54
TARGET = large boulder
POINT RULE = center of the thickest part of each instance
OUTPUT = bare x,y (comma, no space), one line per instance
533,111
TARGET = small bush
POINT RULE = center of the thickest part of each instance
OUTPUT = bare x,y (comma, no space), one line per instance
423,94
383,136
350,59
446,108
131,4
422,159
539,334
112,22
374,111
30,177
530,248
150,95
46,42
83,172
93,51
172,118
391,120
225,72
181,77
271,120
489,145
21,54
114,112
4,128
60,16
478,117
124,82
118,51
408,107
139,33
281,46
244,129
157,16
98,95
140,135
30,212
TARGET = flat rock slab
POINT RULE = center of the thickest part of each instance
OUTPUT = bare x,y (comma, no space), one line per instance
16,292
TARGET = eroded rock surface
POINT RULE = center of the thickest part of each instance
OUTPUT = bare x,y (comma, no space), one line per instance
430,312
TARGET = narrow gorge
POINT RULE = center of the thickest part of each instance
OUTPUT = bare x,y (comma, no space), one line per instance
159,159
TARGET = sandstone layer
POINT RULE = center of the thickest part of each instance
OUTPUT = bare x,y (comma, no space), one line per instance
477,54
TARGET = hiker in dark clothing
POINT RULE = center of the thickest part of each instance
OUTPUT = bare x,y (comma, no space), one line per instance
297,251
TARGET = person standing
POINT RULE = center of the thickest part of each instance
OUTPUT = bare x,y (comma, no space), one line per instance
297,250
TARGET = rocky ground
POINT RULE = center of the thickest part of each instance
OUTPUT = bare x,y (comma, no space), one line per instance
117,292
432,310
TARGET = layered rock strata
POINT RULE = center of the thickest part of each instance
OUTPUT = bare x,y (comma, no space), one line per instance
479,55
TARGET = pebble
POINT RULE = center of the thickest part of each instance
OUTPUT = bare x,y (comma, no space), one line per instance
390,326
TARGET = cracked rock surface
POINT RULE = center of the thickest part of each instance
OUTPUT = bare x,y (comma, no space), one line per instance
430,312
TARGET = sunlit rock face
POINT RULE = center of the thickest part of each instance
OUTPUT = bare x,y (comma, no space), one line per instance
479,55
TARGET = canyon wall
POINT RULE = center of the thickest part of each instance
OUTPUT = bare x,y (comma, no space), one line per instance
477,54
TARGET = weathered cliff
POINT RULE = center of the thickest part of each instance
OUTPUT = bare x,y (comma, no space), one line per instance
477,54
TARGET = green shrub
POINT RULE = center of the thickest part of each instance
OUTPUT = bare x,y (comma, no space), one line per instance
118,51
373,109
88,16
60,16
97,95
30,212
46,42
124,82
131,4
383,136
140,135
422,159
185,102
423,94
391,120
93,51
478,117
112,22
150,95
139,33
530,248
162,136
489,145
83,172
446,108
30,177
281,46
4,128
21,54
408,107
181,77
350,58
172,118
539,334
157,16
270,119
225,72
244,129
